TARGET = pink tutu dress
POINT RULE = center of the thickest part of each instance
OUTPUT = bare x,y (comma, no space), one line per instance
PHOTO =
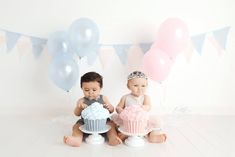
153,121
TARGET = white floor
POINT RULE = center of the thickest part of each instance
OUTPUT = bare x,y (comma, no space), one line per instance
30,135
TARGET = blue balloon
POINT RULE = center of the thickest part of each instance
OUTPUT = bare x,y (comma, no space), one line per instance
64,71
83,35
58,43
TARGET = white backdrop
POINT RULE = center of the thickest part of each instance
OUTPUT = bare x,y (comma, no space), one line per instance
202,85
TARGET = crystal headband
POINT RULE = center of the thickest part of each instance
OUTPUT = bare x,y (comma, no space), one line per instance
136,74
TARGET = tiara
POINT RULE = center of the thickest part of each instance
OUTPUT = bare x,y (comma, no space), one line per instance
136,74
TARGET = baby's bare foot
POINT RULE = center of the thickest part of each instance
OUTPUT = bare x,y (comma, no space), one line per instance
72,141
113,141
157,138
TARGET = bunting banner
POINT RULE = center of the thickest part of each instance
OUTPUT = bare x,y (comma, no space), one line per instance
10,39
121,51
37,45
105,56
188,53
145,46
2,39
221,36
198,42
24,46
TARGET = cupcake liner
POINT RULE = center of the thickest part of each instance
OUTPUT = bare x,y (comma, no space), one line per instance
134,126
95,125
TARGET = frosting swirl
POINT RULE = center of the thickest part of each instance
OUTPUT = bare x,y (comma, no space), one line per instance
95,111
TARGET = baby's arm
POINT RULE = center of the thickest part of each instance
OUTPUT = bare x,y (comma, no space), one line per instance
80,106
108,105
121,105
147,104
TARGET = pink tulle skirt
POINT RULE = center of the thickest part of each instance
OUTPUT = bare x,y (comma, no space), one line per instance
154,122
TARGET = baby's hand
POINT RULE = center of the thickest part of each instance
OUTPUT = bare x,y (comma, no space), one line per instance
108,107
145,107
119,109
82,106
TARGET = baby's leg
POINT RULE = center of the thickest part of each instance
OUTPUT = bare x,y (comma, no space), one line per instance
156,137
76,139
122,136
112,136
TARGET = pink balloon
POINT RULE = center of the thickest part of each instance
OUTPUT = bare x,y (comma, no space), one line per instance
172,36
157,64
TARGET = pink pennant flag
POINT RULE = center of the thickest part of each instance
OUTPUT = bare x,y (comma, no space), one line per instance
220,36
216,45
134,58
105,56
24,46
188,52
2,40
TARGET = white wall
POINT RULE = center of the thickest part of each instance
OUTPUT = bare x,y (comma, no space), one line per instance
204,85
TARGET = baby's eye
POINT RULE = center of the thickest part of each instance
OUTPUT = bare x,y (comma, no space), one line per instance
94,90
86,90
135,85
143,85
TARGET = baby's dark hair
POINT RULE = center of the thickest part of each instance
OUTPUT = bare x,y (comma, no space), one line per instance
91,77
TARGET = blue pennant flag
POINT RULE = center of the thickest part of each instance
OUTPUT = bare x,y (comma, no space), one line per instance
11,39
145,47
91,57
37,45
221,36
198,42
121,51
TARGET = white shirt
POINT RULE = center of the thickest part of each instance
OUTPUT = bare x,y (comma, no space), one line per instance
133,100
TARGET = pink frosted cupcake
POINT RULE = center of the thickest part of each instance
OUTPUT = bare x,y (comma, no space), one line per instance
135,119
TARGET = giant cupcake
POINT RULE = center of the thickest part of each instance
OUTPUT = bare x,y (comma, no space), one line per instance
134,119
95,117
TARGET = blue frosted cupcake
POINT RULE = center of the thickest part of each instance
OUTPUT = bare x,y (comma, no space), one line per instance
95,117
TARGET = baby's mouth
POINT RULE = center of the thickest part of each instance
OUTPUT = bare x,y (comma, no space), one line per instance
91,98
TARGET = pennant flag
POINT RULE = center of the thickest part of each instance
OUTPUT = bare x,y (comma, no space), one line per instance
105,56
11,40
91,57
145,47
121,51
216,45
37,45
188,52
134,59
221,36
2,39
198,42
24,46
